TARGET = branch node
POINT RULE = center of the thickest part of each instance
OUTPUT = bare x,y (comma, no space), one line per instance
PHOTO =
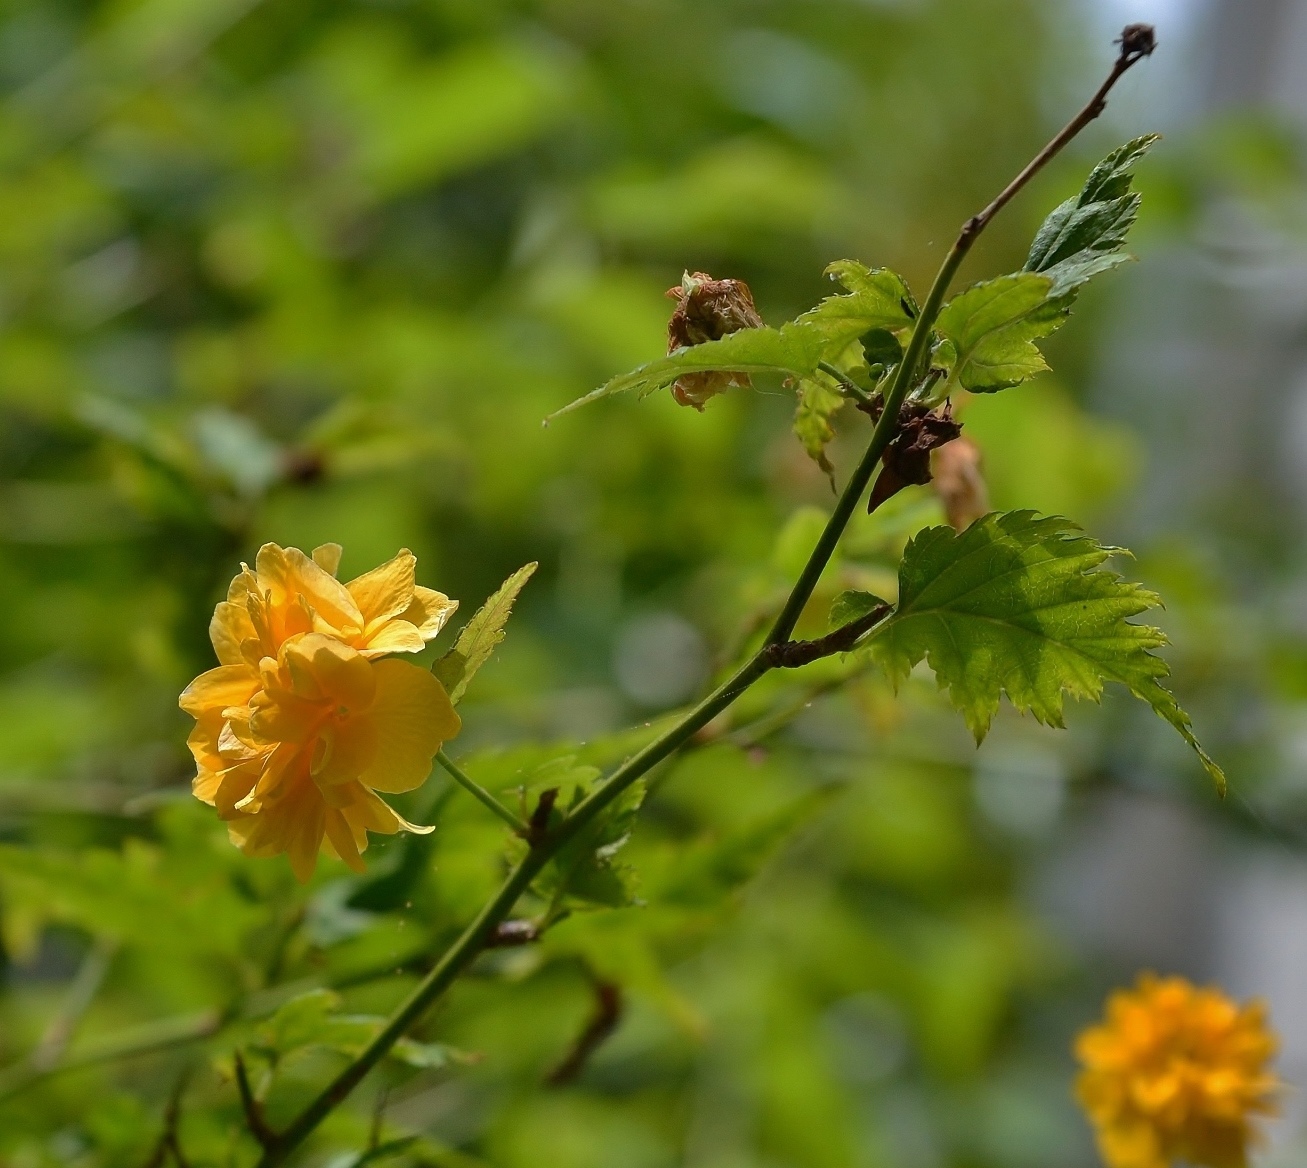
538,827
254,1117
793,654
607,1014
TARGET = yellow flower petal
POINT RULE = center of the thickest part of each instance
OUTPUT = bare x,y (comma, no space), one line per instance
342,753
386,591
369,812
323,667
327,557
228,685
340,835
230,626
412,715
289,574
429,611
394,636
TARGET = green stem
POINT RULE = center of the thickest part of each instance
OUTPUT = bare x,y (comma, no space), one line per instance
851,388
480,794
461,954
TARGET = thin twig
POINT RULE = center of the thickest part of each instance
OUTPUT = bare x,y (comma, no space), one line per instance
168,1138
135,1042
481,795
254,1117
850,387
603,1021
1137,41
378,1119
81,993
794,654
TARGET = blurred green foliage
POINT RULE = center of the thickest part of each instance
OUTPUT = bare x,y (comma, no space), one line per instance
312,270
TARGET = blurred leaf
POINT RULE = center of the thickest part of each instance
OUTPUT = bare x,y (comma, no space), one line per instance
586,868
303,1021
478,638
1014,605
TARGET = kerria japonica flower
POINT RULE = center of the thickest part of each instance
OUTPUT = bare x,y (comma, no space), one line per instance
1176,1074
305,720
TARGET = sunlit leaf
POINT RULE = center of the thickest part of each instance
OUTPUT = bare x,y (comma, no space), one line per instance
480,636
1018,605
992,327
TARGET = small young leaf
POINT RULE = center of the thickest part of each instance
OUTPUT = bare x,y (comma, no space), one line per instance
303,1021
1084,235
1016,604
993,327
479,636
874,299
850,606
819,402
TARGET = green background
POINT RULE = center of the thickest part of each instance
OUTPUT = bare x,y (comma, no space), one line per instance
313,270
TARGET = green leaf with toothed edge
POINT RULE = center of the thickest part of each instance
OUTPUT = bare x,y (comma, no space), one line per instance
1018,604
479,637
992,328
1084,235
874,298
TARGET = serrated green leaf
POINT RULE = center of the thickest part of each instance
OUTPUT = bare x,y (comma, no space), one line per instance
992,327
1084,235
852,605
1017,605
874,299
480,636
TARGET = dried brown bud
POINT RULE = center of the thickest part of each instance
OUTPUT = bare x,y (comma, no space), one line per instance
959,483
907,458
706,310
1137,40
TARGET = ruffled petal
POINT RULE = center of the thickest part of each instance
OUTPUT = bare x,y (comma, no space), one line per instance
327,557
230,626
412,716
394,636
386,591
228,685
342,753
341,837
289,574
429,611
322,667
369,812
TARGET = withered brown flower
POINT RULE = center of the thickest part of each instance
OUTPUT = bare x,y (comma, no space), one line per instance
707,310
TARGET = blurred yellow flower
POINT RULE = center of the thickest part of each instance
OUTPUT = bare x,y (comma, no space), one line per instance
300,726
1176,1073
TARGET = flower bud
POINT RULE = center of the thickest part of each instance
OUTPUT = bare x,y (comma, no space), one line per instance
707,310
